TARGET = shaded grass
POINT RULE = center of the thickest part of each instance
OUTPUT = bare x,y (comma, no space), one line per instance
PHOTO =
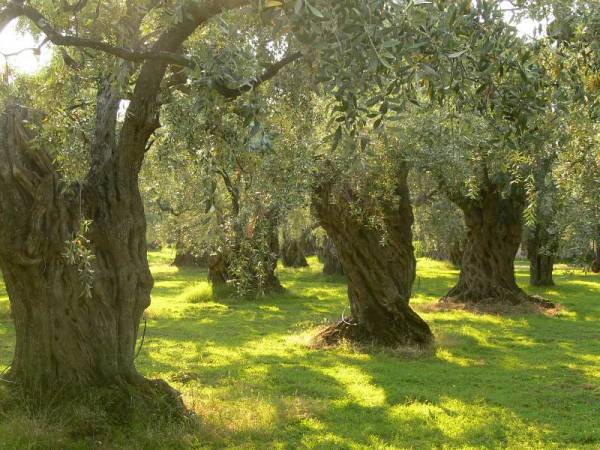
248,371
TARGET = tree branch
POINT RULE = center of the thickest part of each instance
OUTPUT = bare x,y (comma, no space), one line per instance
7,14
269,73
142,118
14,10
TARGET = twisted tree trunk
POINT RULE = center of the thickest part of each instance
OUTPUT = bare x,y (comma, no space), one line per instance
494,231
77,295
380,271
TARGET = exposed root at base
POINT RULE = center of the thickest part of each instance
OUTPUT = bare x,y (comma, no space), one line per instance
347,331
507,305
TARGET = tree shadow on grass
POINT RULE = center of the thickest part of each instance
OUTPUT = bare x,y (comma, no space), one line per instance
494,369
492,381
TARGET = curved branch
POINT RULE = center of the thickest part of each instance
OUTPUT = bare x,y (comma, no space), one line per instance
269,73
7,15
13,11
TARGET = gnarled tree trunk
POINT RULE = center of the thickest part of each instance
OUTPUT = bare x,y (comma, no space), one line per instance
77,295
494,231
380,272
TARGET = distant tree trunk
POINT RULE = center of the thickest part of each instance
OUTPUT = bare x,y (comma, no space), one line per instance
185,257
308,242
270,221
456,252
292,254
380,274
77,296
494,229
263,237
540,251
218,268
330,257
596,262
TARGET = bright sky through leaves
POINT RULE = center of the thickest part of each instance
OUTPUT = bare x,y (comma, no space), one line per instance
12,41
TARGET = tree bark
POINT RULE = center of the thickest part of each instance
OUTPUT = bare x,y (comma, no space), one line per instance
330,257
77,297
185,257
596,262
292,253
494,231
540,251
380,270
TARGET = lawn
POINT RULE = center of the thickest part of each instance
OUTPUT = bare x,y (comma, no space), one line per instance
248,371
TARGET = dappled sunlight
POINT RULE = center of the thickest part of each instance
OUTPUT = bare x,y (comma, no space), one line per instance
249,370
445,355
359,386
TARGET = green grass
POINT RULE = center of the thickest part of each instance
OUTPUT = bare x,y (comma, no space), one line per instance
247,370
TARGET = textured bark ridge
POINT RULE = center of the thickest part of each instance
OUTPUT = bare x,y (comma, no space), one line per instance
487,275
76,326
380,270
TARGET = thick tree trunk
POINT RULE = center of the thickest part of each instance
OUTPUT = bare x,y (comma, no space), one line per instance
380,271
77,297
292,253
494,230
330,257
540,252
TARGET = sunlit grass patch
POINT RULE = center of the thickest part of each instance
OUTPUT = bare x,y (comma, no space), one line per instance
248,371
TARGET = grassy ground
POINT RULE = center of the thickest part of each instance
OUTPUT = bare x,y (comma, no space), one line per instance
246,368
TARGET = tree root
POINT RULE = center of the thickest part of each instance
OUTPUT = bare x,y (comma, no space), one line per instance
506,302
348,330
